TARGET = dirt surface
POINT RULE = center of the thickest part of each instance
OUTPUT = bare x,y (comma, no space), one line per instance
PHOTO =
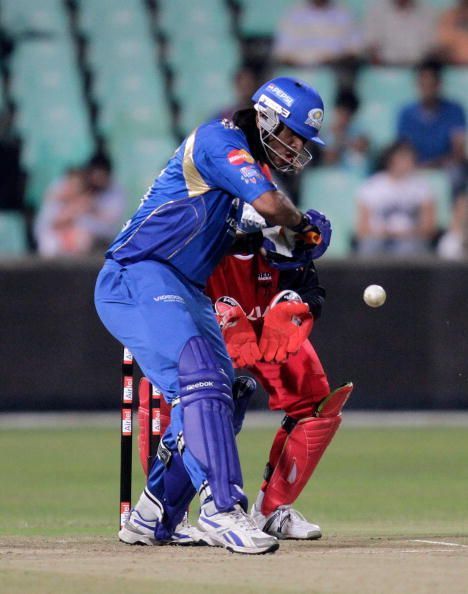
329,566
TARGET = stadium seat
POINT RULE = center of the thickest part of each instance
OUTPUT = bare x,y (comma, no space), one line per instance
441,4
262,17
129,88
333,191
213,58
321,78
440,185
52,120
46,16
455,81
138,162
383,91
12,234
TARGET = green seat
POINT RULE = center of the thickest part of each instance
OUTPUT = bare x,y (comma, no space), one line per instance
323,79
440,186
52,116
261,17
332,191
47,16
441,4
357,8
116,18
178,19
12,234
138,161
455,84
214,90
129,88
383,92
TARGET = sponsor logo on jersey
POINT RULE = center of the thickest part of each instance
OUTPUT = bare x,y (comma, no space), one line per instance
264,277
315,118
250,174
169,299
239,156
285,98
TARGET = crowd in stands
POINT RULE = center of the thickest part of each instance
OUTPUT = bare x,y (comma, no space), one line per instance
396,206
81,212
396,213
394,32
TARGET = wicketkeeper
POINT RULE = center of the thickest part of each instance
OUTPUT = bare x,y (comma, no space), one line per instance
267,298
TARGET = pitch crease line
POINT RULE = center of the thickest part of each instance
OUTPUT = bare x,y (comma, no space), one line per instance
438,542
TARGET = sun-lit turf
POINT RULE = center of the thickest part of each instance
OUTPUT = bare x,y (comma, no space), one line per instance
374,482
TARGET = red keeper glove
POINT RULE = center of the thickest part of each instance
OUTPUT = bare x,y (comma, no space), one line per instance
239,336
285,327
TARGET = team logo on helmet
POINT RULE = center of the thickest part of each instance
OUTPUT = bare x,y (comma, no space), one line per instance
315,118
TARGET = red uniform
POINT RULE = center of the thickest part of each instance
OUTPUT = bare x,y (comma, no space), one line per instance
298,383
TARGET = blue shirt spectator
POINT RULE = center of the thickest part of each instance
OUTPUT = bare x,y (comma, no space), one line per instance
431,130
434,126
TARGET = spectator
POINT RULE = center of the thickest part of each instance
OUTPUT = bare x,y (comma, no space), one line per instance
435,126
57,227
400,32
246,82
396,210
81,211
105,218
453,245
316,32
453,33
346,144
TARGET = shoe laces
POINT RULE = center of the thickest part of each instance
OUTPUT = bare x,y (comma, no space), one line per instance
287,513
184,523
243,519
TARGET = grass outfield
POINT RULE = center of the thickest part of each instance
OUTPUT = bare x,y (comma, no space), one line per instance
384,482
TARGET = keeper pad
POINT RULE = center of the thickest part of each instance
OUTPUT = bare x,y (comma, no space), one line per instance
143,421
207,420
303,450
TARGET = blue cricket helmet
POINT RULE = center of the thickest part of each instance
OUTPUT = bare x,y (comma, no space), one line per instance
296,104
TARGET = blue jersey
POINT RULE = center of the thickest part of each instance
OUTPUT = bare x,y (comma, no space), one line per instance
188,217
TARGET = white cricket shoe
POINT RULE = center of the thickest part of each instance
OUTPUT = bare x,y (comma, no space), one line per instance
235,530
286,523
186,534
139,529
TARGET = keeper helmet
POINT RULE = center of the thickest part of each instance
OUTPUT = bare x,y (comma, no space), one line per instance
292,103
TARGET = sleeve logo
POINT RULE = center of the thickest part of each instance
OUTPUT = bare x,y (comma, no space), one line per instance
250,174
239,156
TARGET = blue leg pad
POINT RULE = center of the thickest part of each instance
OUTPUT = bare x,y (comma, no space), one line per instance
170,483
207,408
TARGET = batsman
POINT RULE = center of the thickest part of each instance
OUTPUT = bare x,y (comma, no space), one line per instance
150,296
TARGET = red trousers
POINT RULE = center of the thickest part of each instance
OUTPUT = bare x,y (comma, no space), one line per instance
294,386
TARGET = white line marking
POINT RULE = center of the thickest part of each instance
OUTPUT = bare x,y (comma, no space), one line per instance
421,551
438,542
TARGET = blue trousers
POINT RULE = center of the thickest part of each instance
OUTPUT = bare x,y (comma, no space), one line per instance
154,311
